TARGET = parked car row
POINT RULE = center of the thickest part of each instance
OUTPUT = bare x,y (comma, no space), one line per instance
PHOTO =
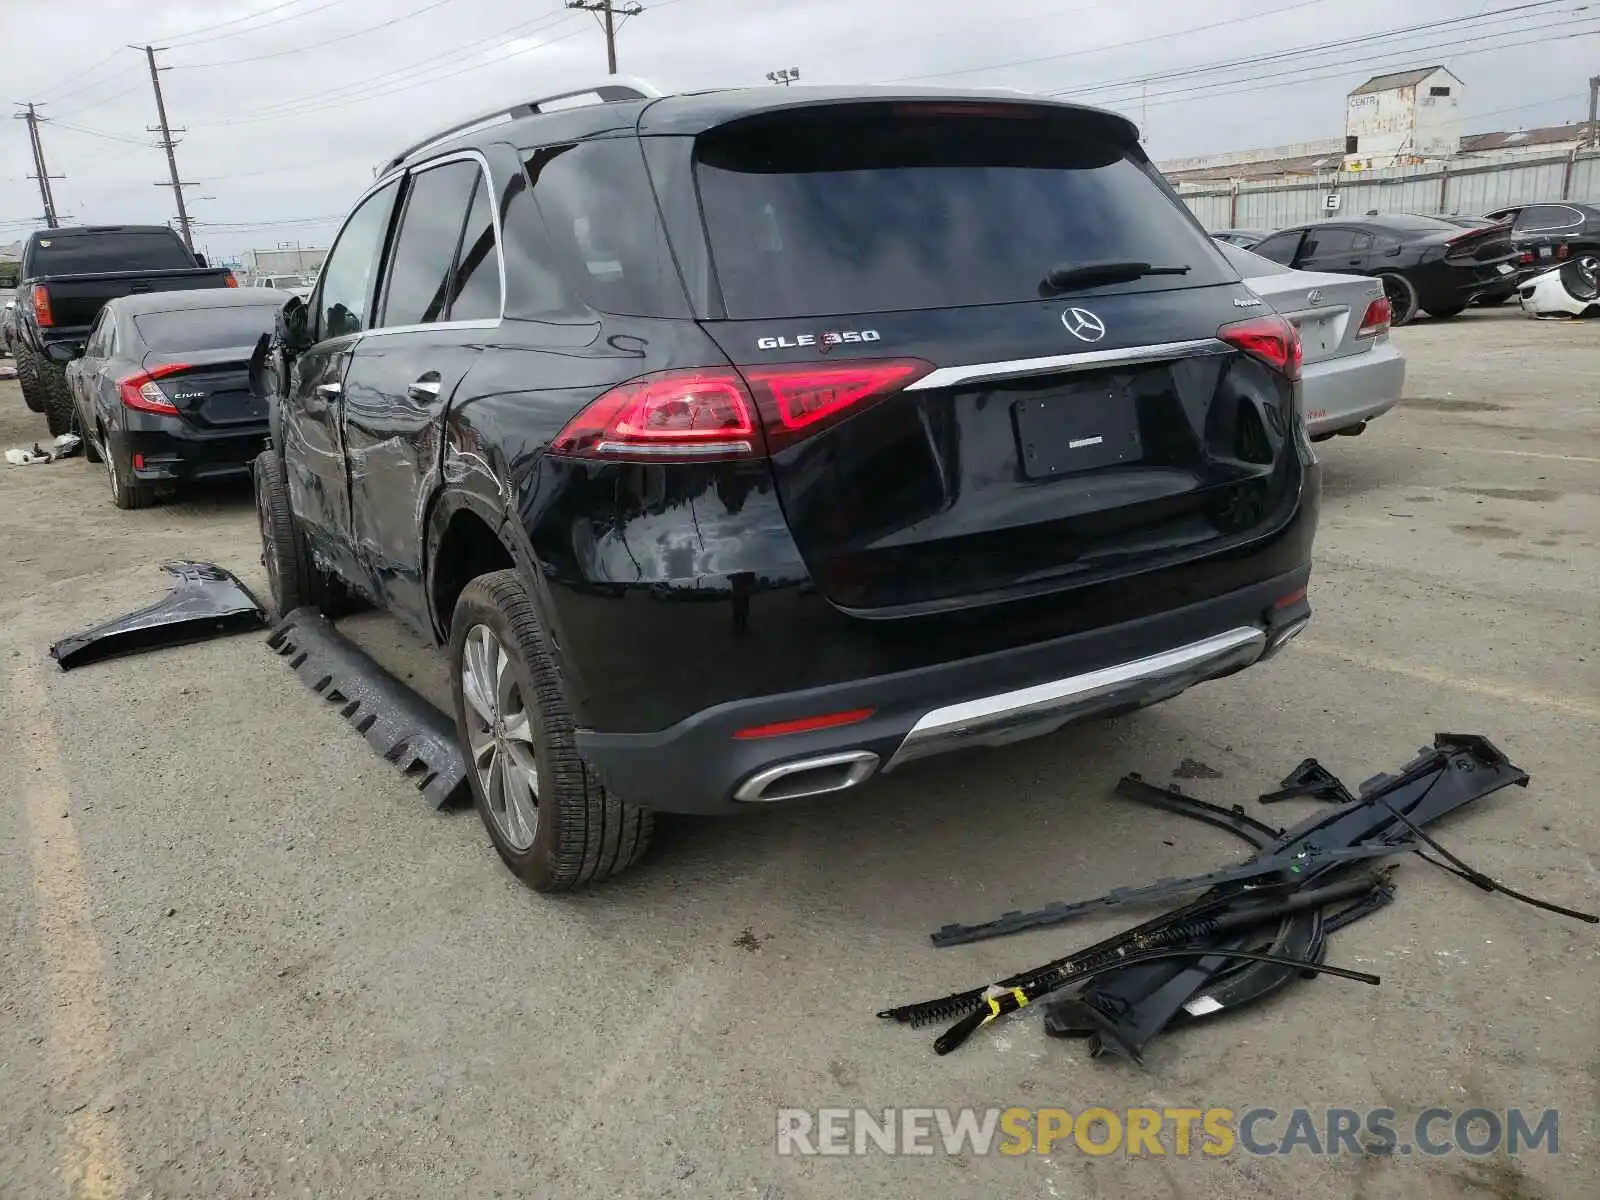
1436,264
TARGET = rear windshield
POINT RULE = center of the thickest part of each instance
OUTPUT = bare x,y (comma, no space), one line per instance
87,253
206,328
908,206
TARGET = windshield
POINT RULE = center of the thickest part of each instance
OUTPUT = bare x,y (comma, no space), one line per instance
238,325
90,253
876,208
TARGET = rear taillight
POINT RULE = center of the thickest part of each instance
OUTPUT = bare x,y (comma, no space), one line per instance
142,393
229,281
41,306
1273,340
1377,319
1525,258
718,413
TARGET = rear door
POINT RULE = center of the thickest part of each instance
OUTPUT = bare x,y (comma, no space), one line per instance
342,306
887,262
1334,248
439,298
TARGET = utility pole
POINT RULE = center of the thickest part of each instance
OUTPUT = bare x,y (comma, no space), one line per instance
1594,105
40,171
168,144
608,11
786,76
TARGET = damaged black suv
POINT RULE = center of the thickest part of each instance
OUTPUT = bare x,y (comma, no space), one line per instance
743,445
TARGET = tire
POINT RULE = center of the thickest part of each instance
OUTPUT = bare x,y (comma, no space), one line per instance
28,379
580,833
1402,299
292,581
126,492
59,414
1444,314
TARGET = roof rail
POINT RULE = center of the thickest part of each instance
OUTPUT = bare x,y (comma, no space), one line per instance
615,88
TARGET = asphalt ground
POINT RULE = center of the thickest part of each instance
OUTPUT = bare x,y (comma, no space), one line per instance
240,957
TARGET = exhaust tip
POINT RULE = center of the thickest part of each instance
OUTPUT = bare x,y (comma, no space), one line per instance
808,777
1277,640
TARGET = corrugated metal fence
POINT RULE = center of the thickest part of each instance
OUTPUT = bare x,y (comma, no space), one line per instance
1469,190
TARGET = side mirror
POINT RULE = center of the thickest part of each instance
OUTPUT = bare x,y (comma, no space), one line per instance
64,352
294,327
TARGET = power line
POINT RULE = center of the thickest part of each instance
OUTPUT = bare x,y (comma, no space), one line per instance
184,41
107,100
408,70
343,37
99,133
1430,27
1158,37
1296,78
315,105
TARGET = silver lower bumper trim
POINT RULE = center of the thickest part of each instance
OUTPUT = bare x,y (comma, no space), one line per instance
1040,709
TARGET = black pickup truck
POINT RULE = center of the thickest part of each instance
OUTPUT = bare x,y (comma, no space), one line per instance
67,277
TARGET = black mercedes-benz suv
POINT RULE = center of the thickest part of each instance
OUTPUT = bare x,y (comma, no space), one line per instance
743,445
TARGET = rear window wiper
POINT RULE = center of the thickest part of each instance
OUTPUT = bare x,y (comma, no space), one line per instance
1092,274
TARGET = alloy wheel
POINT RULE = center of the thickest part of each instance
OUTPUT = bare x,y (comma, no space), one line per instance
500,737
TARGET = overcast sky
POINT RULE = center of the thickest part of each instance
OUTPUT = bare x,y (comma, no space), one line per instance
290,103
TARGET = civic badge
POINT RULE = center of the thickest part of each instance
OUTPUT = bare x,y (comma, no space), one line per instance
1083,324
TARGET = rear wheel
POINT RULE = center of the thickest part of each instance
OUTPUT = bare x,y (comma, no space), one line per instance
292,580
126,492
28,378
548,816
57,399
1444,314
1402,299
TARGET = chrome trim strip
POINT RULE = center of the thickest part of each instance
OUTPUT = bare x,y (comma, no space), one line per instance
1083,361
861,763
994,719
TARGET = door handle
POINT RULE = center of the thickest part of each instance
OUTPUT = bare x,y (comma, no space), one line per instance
426,388
329,391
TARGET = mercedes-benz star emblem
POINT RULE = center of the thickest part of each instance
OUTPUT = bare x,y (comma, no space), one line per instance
1083,324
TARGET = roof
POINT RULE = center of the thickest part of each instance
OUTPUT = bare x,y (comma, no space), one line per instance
193,298
1545,135
1398,79
1307,164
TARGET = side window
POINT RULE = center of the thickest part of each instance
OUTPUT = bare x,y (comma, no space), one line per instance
95,347
346,290
1548,217
603,227
108,336
416,289
475,287
1280,247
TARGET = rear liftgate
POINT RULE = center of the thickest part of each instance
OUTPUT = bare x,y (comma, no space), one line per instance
398,723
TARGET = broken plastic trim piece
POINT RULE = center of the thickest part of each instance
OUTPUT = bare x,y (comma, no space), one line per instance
398,723
205,602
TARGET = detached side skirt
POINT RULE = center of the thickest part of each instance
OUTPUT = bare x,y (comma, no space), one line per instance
398,723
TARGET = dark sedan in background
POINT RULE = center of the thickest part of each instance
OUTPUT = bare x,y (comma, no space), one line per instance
161,388
1426,264
1546,235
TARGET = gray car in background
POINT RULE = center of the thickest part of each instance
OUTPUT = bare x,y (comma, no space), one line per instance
1351,371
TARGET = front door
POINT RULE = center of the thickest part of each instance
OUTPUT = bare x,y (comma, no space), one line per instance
439,300
313,444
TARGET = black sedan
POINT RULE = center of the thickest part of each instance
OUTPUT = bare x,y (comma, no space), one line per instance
161,388
1426,263
1544,235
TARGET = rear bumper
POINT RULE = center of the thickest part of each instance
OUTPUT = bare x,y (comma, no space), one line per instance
168,450
700,766
1343,392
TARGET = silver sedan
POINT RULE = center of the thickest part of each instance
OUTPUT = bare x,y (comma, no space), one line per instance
1352,372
